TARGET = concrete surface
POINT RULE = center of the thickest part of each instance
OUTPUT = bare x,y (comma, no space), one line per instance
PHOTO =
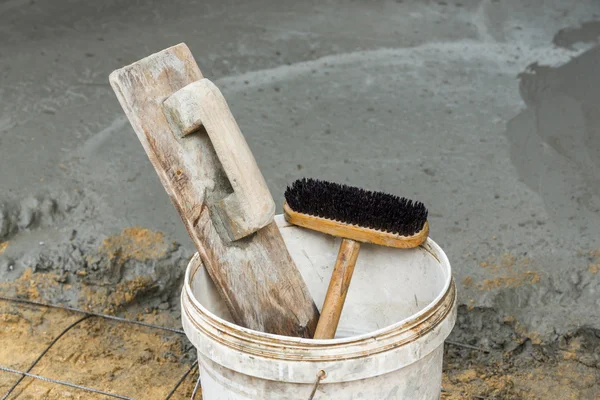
430,100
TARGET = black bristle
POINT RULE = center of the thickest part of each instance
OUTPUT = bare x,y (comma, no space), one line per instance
356,206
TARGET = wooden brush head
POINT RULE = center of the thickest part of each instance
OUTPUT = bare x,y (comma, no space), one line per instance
357,214
355,232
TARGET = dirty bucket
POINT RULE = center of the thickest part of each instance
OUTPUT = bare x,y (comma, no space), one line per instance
389,345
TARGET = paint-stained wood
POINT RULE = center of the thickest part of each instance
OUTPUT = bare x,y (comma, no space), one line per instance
255,275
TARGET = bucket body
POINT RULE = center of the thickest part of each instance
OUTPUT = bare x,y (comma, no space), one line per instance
400,308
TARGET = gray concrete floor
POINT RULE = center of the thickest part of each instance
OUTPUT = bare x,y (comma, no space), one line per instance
417,98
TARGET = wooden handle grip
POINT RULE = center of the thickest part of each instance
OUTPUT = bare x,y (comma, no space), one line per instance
338,289
201,104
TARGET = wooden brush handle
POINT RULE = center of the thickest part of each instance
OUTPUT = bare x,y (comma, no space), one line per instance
338,289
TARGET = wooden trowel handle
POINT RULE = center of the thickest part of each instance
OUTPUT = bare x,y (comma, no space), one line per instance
201,104
338,289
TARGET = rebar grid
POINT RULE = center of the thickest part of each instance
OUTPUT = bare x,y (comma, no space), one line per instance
43,353
87,314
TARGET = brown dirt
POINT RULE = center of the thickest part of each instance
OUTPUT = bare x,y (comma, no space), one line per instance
565,380
28,284
104,299
130,360
136,242
511,273
145,363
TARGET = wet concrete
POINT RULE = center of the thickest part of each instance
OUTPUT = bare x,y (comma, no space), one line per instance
484,110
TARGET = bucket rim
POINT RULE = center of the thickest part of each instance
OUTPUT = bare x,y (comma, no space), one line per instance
271,339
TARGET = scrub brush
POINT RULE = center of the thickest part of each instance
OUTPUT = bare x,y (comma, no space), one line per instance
357,216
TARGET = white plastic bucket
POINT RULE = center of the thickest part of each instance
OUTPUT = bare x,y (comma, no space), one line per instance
400,308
